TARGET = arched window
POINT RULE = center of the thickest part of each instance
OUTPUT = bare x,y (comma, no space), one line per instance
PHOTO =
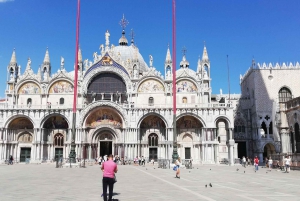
264,127
151,101
271,128
153,140
239,126
184,100
29,101
61,101
284,95
59,140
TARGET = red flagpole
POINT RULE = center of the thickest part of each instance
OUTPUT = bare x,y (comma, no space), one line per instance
72,155
175,154
174,57
76,58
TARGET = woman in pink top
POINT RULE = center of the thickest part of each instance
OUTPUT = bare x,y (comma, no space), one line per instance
109,169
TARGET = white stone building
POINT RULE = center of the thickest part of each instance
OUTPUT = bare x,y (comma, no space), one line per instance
261,118
124,107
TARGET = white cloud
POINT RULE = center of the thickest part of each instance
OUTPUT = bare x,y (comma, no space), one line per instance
4,1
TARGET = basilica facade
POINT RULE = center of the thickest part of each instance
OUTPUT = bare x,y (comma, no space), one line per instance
124,107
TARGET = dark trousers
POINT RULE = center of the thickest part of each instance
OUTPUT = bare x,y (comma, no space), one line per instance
108,182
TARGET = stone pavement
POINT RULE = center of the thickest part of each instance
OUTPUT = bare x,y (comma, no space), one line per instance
45,182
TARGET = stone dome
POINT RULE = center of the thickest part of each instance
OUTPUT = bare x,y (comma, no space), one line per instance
129,53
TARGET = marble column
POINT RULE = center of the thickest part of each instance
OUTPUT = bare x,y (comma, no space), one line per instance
90,151
202,152
1,152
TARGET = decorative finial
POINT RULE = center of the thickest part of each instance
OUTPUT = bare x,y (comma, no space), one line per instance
184,50
132,36
123,22
107,38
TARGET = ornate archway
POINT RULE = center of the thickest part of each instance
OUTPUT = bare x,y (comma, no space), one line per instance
190,128
152,137
269,149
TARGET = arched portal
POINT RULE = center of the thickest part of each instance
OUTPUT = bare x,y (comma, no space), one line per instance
152,139
189,129
224,134
105,141
21,129
59,145
153,145
269,149
25,140
55,130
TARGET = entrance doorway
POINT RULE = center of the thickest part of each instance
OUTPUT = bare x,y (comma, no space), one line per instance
269,149
153,154
59,153
242,149
187,153
105,148
25,154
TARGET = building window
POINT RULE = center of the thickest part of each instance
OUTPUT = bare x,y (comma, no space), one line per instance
61,101
284,95
264,127
239,126
151,101
59,140
271,128
29,101
153,140
184,100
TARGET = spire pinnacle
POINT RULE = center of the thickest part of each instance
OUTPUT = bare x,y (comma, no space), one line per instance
168,57
47,58
13,57
132,36
79,55
205,55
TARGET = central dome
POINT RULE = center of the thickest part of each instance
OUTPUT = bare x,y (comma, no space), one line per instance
130,53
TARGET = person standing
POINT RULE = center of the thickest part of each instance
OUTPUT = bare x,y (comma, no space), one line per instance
11,158
256,161
270,161
244,161
287,162
100,160
177,163
143,161
109,169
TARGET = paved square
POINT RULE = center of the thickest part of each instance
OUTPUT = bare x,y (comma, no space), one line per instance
45,182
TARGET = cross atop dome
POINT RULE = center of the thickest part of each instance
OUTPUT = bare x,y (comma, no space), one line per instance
184,51
123,22
123,41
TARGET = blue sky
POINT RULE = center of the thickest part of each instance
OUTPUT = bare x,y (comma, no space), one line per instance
266,30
